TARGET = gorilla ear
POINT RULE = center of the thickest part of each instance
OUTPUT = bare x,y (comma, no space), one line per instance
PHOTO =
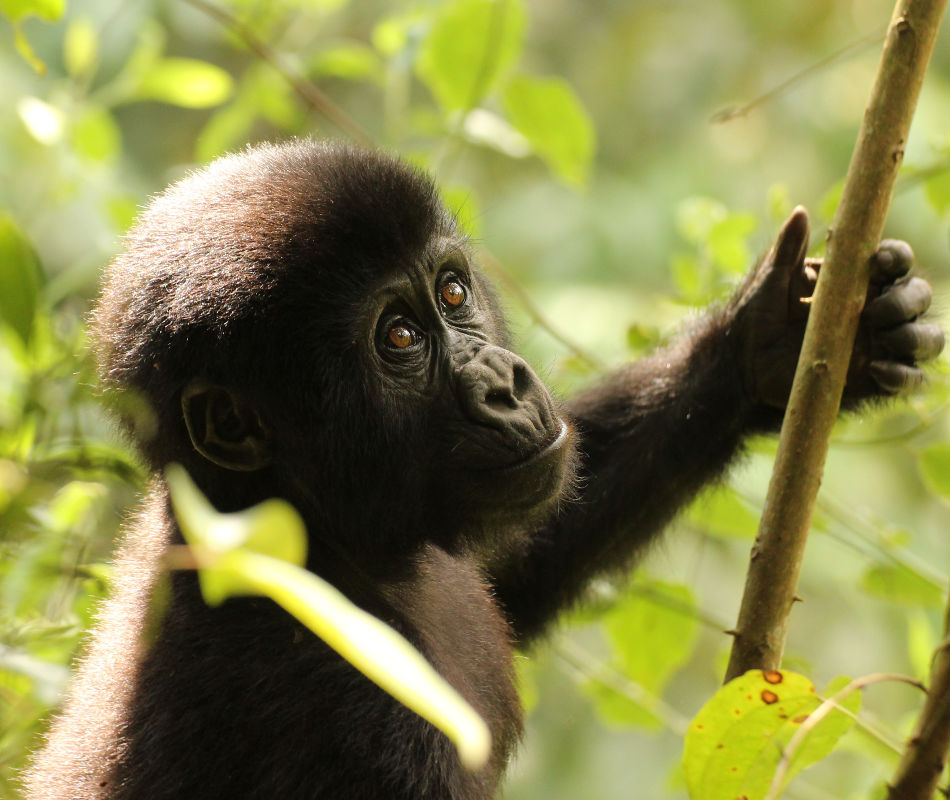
224,428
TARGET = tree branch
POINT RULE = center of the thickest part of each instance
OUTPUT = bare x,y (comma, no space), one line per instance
307,92
926,754
833,321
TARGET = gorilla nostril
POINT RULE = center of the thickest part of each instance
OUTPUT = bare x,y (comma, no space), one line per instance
499,399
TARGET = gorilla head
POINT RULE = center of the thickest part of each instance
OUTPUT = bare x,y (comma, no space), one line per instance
305,320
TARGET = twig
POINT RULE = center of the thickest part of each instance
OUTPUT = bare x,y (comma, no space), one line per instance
307,92
730,113
816,716
511,284
833,320
926,754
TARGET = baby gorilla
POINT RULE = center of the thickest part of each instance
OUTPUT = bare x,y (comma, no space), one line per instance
306,321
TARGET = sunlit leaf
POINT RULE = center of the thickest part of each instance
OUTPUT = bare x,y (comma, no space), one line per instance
20,279
464,206
471,44
614,707
548,114
261,551
653,631
186,82
934,465
722,513
728,243
45,122
95,136
350,60
735,742
49,10
899,584
937,190
80,47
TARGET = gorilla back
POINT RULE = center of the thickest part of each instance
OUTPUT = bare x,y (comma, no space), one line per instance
305,321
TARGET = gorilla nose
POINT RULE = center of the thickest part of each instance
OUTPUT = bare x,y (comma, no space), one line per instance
499,389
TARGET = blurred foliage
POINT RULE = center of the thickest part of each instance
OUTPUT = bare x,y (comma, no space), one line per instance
613,239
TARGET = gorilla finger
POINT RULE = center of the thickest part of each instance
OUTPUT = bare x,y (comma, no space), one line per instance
894,377
892,259
900,303
920,341
792,241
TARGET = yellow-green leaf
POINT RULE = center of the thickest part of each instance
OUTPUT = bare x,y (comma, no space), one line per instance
260,551
20,279
471,44
548,114
735,743
185,82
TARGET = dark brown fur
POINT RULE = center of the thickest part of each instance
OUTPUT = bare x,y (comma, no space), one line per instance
265,274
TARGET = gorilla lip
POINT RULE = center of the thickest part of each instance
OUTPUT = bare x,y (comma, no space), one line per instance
544,452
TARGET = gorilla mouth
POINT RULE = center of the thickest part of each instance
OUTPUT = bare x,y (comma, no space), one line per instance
543,453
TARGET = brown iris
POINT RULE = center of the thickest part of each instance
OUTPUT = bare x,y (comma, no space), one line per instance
400,336
453,294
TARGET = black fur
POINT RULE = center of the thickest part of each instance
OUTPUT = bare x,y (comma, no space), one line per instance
443,489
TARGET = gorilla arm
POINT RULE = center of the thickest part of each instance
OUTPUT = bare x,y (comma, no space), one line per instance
654,433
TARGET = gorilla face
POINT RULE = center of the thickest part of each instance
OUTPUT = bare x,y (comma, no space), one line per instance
436,351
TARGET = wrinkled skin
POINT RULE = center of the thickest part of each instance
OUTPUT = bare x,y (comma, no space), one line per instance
305,321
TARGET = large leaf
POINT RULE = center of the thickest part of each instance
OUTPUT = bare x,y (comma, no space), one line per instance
934,464
261,551
736,741
185,82
472,43
548,114
653,632
19,279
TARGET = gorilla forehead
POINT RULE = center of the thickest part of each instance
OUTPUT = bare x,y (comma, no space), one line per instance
299,225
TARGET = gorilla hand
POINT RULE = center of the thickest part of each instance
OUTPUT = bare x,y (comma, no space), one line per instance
771,308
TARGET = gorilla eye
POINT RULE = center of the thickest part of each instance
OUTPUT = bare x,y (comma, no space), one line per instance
401,336
453,294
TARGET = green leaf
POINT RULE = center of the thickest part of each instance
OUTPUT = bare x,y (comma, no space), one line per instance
697,216
899,584
44,121
464,206
548,114
728,243
350,60
471,44
616,708
937,190
735,742
95,136
934,465
185,82
49,10
653,635
80,47
20,279
261,551
720,512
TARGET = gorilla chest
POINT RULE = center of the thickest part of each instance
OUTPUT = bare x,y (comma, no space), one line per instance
451,617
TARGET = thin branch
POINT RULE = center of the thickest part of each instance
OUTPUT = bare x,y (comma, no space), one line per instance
511,284
816,716
776,557
587,666
926,755
733,112
307,92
